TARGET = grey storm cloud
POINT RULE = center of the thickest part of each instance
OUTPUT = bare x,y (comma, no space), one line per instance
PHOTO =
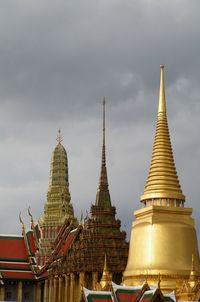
58,59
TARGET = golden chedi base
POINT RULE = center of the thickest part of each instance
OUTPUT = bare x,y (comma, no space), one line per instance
163,240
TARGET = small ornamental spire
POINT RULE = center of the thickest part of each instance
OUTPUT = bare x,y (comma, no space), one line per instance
59,137
193,274
162,185
103,195
106,279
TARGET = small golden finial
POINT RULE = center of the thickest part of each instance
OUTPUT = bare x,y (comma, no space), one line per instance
162,101
105,263
159,280
193,274
59,137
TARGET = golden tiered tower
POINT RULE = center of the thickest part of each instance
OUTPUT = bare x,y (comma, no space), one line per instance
58,207
163,236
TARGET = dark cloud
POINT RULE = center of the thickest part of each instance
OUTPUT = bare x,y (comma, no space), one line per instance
57,61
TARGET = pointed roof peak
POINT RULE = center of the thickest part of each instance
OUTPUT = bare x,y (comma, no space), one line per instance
59,137
105,263
162,100
103,195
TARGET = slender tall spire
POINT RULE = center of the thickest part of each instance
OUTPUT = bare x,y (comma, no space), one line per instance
162,100
103,195
162,185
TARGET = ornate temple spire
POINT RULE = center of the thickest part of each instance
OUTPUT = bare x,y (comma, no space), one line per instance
162,185
103,195
58,206
59,165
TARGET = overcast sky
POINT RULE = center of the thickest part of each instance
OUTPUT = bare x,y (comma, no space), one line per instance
58,59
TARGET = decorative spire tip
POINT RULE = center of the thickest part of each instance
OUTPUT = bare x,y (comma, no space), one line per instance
162,101
59,137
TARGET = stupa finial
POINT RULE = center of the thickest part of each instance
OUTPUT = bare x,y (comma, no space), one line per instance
162,100
59,137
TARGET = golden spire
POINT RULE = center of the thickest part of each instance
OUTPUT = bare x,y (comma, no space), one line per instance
106,278
103,195
162,185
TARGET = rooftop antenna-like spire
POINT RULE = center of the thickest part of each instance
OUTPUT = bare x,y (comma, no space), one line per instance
103,195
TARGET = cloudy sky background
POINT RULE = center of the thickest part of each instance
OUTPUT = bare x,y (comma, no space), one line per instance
58,59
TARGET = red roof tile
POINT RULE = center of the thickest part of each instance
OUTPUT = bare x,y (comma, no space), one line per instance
68,242
12,247
17,275
14,265
31,242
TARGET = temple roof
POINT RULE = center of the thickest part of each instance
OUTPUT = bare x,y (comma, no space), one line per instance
12,248
162,181
124,293
128,293
68,239
14,261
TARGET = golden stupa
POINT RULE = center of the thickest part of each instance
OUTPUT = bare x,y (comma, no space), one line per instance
163,236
